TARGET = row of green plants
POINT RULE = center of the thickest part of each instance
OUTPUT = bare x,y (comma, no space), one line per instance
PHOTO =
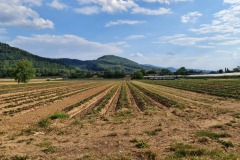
141,101
71,107
228,88
44,89
42,95
105,100
46,101
159,98
123,100
4,89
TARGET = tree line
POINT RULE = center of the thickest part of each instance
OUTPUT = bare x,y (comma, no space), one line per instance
24,70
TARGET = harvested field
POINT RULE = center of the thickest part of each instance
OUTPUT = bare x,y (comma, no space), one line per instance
116,120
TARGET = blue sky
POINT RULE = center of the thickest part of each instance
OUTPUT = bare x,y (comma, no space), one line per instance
201,34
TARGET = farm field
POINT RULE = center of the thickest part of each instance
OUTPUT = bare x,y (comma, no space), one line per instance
121,120
220,87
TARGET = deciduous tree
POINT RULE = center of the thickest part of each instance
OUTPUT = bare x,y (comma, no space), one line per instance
23,71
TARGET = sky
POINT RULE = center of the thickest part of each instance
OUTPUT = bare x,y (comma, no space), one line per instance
200,34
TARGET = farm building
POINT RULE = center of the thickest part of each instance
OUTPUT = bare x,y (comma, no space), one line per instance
160,77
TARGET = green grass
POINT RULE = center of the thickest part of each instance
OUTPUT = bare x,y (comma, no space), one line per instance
216,137
134,140
58,115
17,157
190,152
142,144
149,155
47,147
227,144
44,123
47,121
123,115
236,115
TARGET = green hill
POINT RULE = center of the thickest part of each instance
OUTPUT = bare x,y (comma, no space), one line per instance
117,63
45,66
109,62
59,67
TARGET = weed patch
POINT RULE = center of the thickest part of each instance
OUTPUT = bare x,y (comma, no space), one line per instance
17,157
216,136
142,144
47,147
154,132
44,123
58,115
186,151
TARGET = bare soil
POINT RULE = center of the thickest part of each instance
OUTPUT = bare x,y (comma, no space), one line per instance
116,133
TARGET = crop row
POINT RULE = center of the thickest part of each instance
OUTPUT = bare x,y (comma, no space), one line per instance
38,96
159,98
71,107
223,88
29,87
123,100
141,100
22,88
46,101
106,99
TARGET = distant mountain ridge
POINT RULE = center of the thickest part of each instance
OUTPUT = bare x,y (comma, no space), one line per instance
45,66
55,67
108,62
172,69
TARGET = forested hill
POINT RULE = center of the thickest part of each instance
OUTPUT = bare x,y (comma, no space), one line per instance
109,62
59,67
45,66
117,63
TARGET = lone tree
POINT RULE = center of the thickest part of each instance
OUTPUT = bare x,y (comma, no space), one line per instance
137,75
23,71
182,71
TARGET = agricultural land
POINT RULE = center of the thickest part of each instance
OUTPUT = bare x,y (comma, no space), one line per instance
120,120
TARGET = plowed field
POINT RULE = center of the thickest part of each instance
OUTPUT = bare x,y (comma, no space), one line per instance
116,120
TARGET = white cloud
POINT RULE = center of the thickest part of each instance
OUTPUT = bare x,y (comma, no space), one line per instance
191,17
32,2
121,44
3,30
232,1
137,55
184,40
146,11
23,2
110,6
57,5
62,46
87,10
236,56
225,21
191,60
134,37
16,14
114,6
122,22
206,47
167,1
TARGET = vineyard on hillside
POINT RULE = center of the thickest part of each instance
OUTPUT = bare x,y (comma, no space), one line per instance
96,119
